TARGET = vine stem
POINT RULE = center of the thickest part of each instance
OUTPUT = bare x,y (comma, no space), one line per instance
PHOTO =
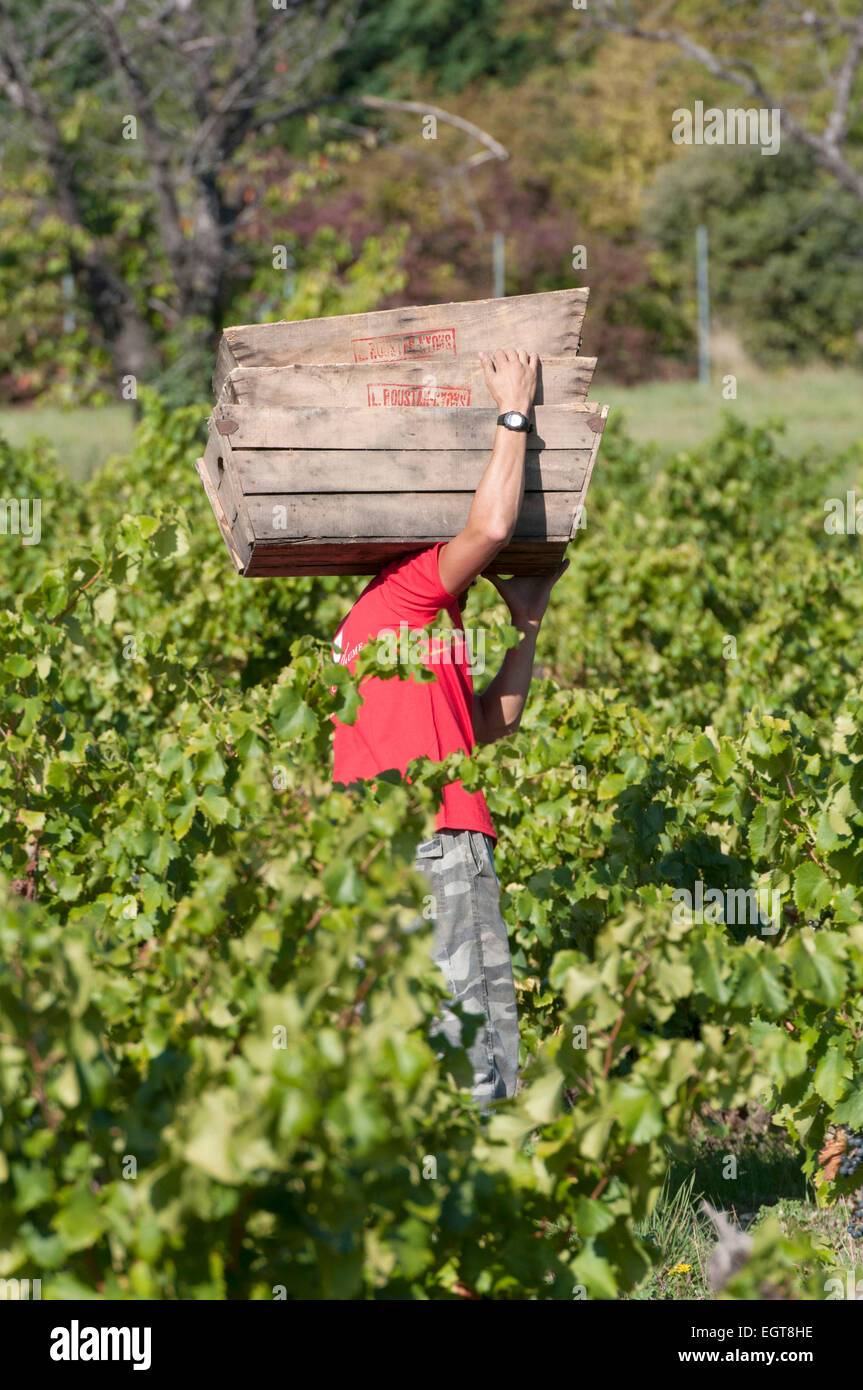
349,1015
757,797
600,1186
857,1032
78,592
369,857
609,1051
611,1172
40,1065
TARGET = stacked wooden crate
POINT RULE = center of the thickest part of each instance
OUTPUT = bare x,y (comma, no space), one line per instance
339,443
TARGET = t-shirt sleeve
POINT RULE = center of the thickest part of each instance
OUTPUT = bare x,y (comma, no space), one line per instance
414,592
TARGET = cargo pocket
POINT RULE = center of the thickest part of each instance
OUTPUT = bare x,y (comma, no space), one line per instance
477,855
482,855
427,859
430,849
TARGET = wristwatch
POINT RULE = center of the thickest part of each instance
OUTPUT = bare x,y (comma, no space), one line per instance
514,420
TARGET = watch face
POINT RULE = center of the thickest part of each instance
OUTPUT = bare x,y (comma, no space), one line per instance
514,420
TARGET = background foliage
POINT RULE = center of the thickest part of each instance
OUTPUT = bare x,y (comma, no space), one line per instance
183,218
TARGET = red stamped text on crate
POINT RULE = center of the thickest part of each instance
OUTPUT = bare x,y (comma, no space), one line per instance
396,347
394,393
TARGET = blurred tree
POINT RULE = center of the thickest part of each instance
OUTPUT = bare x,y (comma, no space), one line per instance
803,59
442,44
153,120
786,249
162,151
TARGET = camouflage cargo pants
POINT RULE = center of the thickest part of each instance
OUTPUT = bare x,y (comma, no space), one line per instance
470,947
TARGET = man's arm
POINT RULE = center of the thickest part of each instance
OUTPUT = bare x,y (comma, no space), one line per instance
498,710
511,378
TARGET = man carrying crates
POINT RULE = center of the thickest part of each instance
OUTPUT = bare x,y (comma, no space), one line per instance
401,720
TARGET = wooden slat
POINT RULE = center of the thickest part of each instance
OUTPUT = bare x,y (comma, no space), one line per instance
223,474
225,497
585,482
221,477
271,558
402,470
316,516
239,560
358,427
549,324
461,382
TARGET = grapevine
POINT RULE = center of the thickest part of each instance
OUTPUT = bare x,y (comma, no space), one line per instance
184,899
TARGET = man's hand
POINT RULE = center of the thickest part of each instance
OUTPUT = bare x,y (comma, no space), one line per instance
510,374
527,595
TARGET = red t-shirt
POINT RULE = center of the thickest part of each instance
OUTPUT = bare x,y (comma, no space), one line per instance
400,720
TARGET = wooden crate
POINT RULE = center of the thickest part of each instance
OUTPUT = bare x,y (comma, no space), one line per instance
338,444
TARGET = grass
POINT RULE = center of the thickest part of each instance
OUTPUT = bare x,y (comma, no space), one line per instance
682,1238
84,438
768,1181
820,407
